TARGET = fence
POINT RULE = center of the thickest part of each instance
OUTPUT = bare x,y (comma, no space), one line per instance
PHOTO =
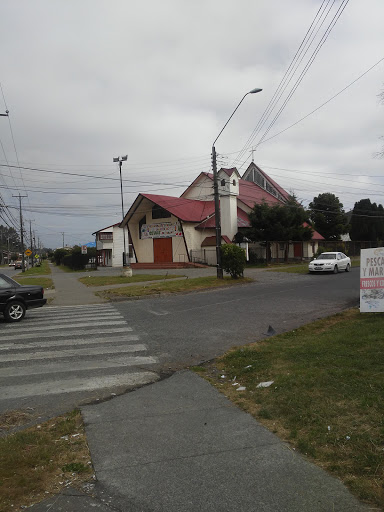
351,248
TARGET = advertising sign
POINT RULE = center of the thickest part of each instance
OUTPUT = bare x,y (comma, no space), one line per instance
84,249
160,230
372,280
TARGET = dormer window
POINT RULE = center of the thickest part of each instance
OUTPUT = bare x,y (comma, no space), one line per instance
234,183
223,183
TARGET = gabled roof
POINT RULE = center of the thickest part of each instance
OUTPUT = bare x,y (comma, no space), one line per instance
249,192
252,165
242,221
188,210
315,234
210,241
112,226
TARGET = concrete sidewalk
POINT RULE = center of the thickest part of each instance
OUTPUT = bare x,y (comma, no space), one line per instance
179,445
68,289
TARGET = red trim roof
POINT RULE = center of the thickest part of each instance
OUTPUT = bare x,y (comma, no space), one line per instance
315,234
210,241
242,221
189,210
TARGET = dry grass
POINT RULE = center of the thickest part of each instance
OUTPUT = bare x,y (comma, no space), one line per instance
42,460
327,398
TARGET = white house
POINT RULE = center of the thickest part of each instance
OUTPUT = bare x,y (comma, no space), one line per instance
110,246
168,230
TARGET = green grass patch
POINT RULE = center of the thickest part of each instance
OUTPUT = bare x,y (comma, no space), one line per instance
44,269
45,282
42,461
185,285
137,278
327,396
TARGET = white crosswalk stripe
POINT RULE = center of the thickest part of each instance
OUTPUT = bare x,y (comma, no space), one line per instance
56,350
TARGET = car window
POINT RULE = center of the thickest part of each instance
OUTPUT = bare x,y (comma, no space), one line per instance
325,256
339,256
4,283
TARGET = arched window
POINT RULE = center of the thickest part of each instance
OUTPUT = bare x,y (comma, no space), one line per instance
223,183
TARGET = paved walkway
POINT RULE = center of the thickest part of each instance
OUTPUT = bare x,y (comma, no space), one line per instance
180,446
69,291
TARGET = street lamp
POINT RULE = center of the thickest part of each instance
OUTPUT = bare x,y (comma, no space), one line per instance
122,159
216,190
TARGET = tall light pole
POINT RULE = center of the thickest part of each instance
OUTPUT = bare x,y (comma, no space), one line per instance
122,159
216,190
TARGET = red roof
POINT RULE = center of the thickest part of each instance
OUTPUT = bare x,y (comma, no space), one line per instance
242,221
210,241
189,210
249,192
315,234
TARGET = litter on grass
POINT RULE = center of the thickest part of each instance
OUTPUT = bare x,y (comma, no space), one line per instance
241,388
265,384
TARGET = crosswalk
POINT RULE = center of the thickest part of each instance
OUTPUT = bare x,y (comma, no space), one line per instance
56,350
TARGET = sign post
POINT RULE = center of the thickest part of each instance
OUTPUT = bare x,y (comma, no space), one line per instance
372,280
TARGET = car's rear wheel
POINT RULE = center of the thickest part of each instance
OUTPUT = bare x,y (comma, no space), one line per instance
14,311
335,269
348,268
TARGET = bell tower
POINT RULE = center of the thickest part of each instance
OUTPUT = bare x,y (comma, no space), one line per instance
228,180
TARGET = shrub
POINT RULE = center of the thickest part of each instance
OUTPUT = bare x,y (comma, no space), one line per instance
233,260
58,256
75,260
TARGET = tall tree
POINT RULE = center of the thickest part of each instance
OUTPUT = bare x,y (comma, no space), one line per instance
279,223
328,216
367,222
9,239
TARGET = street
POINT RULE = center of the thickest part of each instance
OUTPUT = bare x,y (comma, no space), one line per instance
60,357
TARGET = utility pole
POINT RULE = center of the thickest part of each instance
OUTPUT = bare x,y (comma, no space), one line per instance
31,239
21,233
122,159
63,238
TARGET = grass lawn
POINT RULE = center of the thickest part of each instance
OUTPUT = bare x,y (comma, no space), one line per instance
38,271
45,282
41,461
138,278
198,283
327,396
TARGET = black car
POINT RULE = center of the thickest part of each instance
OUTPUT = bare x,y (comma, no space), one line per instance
16,298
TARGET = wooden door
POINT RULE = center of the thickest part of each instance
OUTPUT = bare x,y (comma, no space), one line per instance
298,249
162,250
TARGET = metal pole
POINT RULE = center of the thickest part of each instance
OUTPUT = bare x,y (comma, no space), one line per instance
21,234
122,216
30,236
216,190
217,215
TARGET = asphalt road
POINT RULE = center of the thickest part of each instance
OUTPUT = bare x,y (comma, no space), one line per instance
59,358
185,329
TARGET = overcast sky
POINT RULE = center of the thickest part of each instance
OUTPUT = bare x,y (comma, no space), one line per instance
89,80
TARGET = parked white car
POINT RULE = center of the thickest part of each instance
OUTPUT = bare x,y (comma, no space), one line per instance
330,262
